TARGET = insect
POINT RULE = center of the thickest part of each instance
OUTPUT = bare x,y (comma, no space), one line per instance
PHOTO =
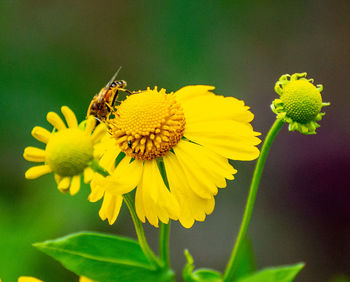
102,104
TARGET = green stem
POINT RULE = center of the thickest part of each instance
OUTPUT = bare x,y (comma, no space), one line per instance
232,264
140,233
164,243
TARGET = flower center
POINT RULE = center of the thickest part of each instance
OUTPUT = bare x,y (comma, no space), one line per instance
148,124
69,151
302,100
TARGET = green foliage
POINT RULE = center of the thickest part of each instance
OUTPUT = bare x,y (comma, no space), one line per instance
200,275
339,278
274,274
245,260
103,258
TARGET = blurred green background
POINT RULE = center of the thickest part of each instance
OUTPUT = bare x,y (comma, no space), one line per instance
57,53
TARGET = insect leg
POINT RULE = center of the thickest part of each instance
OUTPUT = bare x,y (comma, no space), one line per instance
114,98
129,92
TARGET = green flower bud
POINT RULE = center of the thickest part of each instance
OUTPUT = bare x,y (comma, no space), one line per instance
300,102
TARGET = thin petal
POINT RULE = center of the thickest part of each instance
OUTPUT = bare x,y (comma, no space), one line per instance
192,206
126,176
97,187
41,134
28,279
90,124
140,209
88,174
55,120
37,171
70,117
58,178
85,279
34,154
64,184
189,92
75,185
110,207
99,132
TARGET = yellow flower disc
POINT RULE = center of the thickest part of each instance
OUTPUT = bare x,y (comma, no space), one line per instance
69,151
148,124
302,100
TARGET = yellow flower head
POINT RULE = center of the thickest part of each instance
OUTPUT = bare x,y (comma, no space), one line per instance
300,102
68,151
189,134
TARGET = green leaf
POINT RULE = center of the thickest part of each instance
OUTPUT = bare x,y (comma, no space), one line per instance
274,274
200,275
340,278
245,260
103,258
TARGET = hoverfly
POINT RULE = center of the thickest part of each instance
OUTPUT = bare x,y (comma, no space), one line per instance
102,103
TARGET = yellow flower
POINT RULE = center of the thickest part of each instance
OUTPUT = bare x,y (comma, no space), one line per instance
300,102
32,279
28,279
191,134
68,151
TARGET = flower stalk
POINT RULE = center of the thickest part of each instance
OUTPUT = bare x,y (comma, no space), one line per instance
140,233
233,262
164,243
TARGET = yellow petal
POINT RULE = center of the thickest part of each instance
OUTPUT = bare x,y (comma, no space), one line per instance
203,169
126,176
189,92
58,178
192,206
70,117
99,132
157,201
231,139
75,185
37,171
64,184
88,174
216,107
90,124
140,209
146,205
110,207
110,154
28,279
34,154
97,187
55,120
198,175
41,134
85,279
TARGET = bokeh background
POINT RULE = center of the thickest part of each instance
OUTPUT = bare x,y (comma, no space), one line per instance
57,53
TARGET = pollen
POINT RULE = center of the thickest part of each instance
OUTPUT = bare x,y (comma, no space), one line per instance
69,151
149,124
302,100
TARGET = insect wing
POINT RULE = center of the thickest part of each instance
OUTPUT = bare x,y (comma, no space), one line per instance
113,78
